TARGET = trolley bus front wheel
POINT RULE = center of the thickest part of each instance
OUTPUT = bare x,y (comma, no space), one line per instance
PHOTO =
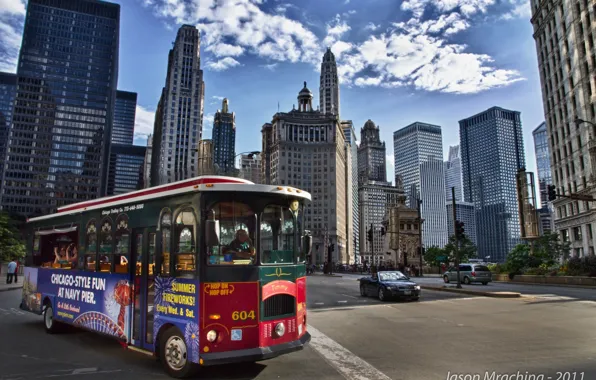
50,324
174,354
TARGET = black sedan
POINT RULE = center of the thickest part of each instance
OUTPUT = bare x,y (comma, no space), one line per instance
389,284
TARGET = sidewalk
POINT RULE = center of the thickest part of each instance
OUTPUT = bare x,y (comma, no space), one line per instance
14,286
482,293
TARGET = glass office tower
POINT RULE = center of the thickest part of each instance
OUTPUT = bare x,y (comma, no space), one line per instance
126,168
492,151
123,125
8,90
67,75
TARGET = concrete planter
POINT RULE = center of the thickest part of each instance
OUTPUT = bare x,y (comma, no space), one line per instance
549,280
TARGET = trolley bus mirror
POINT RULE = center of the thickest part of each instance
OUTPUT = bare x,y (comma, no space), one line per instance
307,244
212,232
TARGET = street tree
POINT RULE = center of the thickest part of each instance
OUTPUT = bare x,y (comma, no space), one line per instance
466,248
432,256
550,249
11,244
518,259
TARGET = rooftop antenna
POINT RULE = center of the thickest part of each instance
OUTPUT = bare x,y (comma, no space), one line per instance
278,106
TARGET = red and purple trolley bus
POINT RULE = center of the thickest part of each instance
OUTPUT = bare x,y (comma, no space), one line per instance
205,271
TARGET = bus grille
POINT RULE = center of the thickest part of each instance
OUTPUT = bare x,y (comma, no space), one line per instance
280,304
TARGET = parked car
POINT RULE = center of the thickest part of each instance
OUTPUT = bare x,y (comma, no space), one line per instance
469,273
389,284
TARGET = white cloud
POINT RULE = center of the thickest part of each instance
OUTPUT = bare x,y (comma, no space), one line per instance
12,14
208,121
417,53
217,97
521,9
272,36
390,168
144,121
14,7
270,66
223,64
221,49
371,26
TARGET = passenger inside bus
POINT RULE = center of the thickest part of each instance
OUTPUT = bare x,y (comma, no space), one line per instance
241,247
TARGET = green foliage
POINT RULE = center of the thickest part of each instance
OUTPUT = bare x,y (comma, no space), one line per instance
585,266
518,259
467,249
11,244
432,254
496,268
550,250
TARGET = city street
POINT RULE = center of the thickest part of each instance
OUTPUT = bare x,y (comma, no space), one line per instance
353,338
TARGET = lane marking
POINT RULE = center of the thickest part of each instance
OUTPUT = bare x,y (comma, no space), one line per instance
347,295
342,360
342,301
346,307
16,311
319,303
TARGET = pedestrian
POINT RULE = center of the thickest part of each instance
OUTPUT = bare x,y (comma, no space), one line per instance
16,271
12,267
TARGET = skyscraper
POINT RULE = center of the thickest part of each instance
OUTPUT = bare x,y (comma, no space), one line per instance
224,139
178,124
492,151
544,175
124,117
126,168
8,91
453,174
464,213
418,152
542,162
352,145
329,85
147,162
250,167
372,164
62,119
306,149
565,38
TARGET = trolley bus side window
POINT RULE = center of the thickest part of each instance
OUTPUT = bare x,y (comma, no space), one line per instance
106,245
164,242
90,257
55,248
185,229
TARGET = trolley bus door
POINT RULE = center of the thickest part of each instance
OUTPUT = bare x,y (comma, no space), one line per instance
143,248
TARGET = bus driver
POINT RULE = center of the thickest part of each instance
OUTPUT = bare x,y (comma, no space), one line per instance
241,247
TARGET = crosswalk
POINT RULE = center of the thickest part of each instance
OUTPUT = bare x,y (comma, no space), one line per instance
10,311
536,298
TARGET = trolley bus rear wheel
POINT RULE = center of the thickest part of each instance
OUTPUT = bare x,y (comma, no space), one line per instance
50,324
174,354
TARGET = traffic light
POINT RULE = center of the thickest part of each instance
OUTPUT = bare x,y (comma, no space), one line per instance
383,232
459,229
552,193
370,234
331,247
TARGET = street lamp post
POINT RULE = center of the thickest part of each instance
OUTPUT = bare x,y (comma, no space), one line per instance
420,233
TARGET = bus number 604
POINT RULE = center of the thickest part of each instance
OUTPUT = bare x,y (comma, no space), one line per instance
243,315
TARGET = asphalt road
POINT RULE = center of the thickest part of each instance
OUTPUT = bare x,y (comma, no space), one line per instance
358,339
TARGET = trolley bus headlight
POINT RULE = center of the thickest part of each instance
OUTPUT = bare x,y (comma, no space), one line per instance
280,329
212,336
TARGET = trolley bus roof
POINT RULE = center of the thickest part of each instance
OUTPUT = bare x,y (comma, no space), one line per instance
202,183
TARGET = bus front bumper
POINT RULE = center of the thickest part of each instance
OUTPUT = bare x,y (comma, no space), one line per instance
254,354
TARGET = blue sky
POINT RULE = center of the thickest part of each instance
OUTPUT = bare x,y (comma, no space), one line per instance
435,61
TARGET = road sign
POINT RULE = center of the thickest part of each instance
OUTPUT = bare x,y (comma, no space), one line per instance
441,258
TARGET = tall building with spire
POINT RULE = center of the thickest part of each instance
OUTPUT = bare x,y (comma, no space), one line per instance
371,155
178,124
329,86
224,139
306,149
453,175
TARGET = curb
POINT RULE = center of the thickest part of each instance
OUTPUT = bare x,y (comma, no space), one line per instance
539,284
8,289
472,292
